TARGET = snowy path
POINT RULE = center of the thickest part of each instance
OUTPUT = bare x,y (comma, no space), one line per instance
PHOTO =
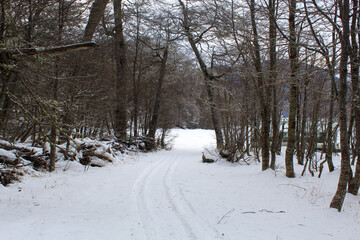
162,209
171,195
161,205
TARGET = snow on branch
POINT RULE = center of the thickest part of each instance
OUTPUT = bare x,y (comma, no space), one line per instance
50,50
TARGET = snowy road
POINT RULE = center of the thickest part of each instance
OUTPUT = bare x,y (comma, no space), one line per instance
171,195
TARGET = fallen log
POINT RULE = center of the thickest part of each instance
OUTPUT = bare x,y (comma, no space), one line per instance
38,161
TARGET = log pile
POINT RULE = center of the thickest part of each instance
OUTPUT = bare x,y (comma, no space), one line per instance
16,158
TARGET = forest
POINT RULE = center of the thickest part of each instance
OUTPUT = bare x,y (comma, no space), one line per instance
263,74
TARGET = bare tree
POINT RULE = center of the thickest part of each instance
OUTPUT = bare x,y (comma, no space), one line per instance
262,90
293,55
344,34
209,77
272,79
120,120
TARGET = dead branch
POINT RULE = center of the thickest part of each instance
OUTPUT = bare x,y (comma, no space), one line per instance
49,50
226,214
264,210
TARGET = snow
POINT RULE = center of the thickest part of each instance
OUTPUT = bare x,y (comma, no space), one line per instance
173,195
7,154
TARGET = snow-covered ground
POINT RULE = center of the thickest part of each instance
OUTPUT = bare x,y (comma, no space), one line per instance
173,195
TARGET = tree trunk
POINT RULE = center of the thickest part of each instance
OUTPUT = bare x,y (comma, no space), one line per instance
53,132
120,121
272,77
96,13
208,77
155,113
215,116
355,182
329,141
301,150
262,92
345,172
293,55
136,77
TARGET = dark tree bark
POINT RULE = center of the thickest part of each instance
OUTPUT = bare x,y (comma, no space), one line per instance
263,92
301,150
120,121
96,13
355,182
329,134
293,55
272,78
345,172
155,112
55,90
137,65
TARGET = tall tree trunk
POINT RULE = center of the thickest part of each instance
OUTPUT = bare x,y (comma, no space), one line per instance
293,55
272,77
120,121
215,115
136,77
301,151
345,171
355,182
262,92
329,141
155,113
53,132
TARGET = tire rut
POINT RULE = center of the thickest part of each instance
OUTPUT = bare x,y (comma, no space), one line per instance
142,209
198,226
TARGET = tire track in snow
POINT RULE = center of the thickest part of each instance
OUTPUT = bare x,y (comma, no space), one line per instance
150,187
142,207
199,228
171,196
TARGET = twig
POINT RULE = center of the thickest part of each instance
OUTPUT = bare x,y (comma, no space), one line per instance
248,212
268,211
264,210
225,215
294,186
